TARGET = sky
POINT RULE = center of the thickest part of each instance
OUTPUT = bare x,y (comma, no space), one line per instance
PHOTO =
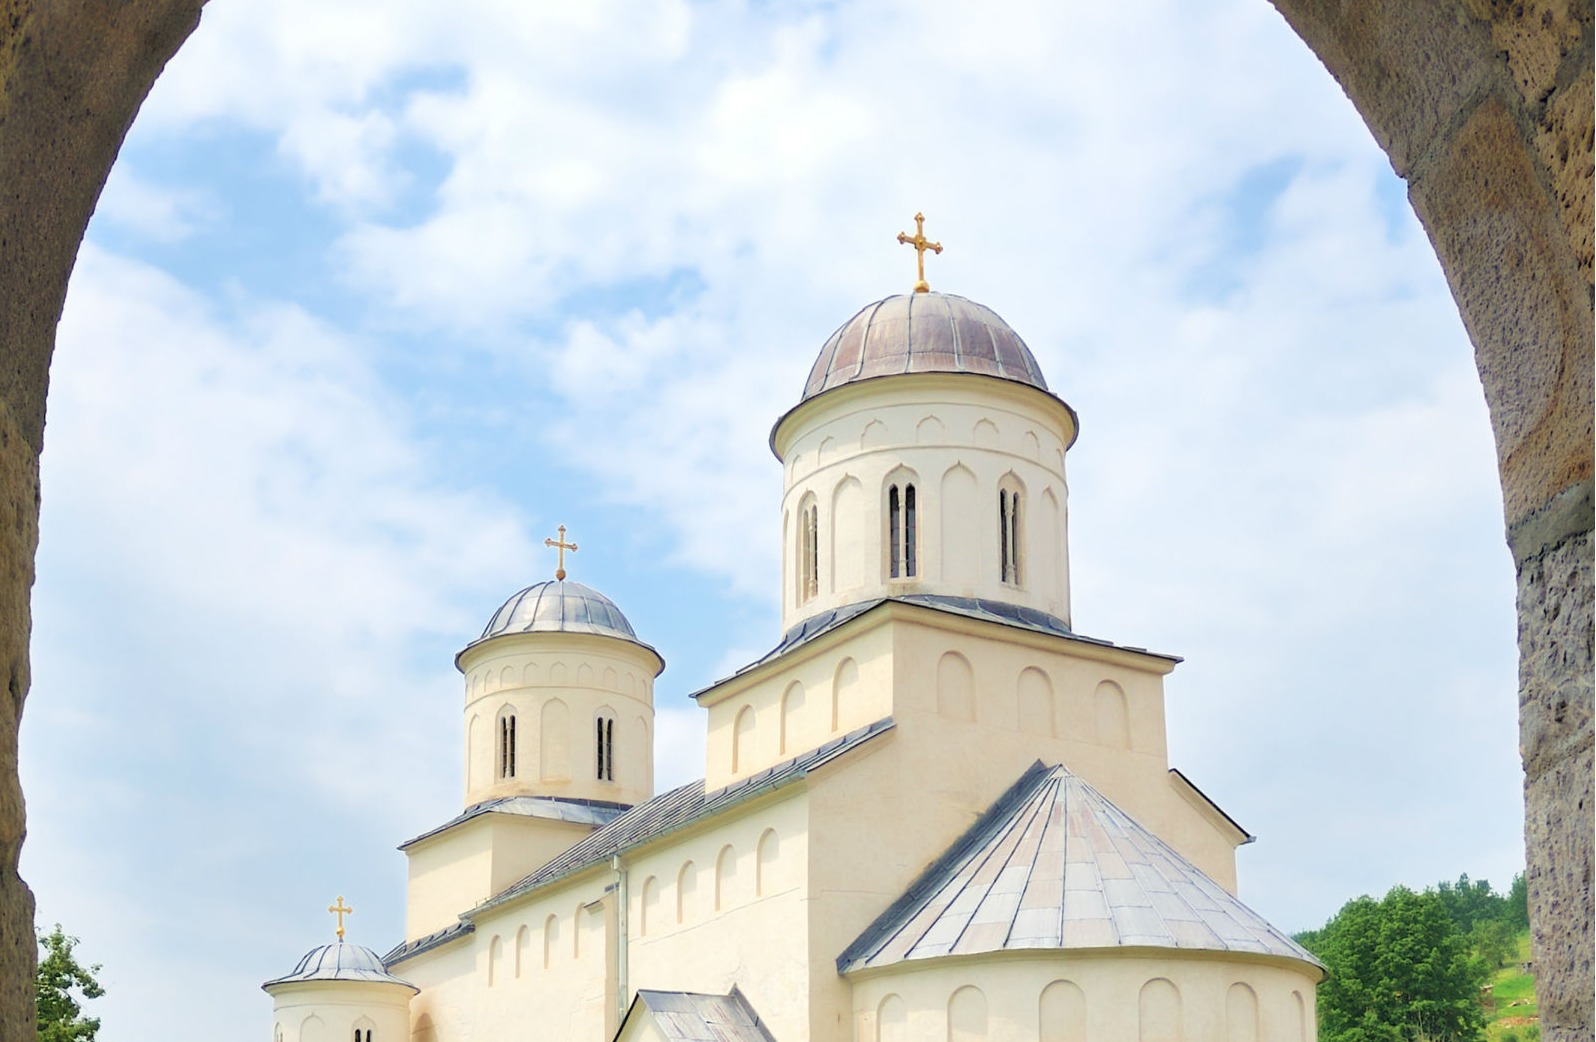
378,294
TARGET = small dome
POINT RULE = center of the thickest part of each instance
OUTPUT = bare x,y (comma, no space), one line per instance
923,333
340,961
560,606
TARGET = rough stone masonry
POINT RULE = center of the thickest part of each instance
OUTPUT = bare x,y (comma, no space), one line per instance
1484,107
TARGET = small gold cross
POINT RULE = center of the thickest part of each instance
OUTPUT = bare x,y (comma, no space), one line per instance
561,546
340,910
920,244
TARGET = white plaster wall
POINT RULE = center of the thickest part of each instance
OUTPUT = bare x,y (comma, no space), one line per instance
327,1011
956,437
1217,998
585,674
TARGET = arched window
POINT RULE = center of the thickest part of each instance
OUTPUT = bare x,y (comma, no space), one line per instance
902,534
506,744
1009,532
364,1029
604,751
808,550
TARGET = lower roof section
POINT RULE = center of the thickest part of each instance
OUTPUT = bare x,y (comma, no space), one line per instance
685,1016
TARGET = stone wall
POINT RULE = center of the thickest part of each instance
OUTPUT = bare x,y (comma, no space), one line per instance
1484,107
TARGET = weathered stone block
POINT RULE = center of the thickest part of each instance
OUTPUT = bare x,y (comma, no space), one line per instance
1564,144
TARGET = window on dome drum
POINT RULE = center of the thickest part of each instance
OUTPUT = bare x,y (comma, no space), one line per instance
808,551
363,1036
507,746
1009,535
901,532
605,749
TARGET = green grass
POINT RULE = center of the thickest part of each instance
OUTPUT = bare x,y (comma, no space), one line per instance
1510,1000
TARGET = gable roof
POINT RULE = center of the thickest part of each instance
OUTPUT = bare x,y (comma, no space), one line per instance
678,809
553,808
1053,864
684,1016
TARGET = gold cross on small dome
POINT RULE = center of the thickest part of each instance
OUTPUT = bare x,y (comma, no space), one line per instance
561,546
340,910
920,244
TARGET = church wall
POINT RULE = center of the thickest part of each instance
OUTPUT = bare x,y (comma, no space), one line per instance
1106,996
328,1011
957,440
556,689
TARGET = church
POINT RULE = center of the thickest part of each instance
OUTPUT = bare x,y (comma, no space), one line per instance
933,812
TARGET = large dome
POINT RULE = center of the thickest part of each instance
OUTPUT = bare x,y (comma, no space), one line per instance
340,961
560,606
923,333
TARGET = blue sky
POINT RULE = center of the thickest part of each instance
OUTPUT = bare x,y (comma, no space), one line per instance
379,294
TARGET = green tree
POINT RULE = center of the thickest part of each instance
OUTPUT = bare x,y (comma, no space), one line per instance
1471,902
60,974
1400,971
1518,903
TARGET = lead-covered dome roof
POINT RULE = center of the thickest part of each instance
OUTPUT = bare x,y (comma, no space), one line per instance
560,606
340,961
923,333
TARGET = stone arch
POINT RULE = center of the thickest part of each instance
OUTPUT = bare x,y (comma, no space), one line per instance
647,905
792,714
554,741
930,431
495,959
1158,1012
847,534
551,939
743,731
767,863
961,517
1241,1014
892,1020
873,436
523,949
1061,1013
955,687
967,1015
1111,714
843,683
686,892
1034,695
725,877
984,434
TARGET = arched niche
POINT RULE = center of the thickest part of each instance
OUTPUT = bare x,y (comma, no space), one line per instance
767,863
955,687
847,531
1241,1014
1158,1012
792,713
742,751
554,741
1111,715
1061,1013
1034,696
843,686
967,1015
960,517
725,877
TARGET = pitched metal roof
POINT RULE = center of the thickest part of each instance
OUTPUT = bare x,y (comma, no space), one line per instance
340,961
677,809
429,942
1053,864
683,1016
554,808
982,608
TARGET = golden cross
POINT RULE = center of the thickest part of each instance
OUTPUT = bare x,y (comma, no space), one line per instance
340,910
561,546
920,244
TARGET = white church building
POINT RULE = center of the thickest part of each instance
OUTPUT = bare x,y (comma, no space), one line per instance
932,813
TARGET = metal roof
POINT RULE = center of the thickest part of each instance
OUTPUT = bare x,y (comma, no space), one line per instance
559,606
552,808
1053,864
683,1016
919,333
677,809
340,961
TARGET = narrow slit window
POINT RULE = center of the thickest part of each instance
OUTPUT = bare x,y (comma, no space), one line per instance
1009,535
808,552
507,746
605,749
901,532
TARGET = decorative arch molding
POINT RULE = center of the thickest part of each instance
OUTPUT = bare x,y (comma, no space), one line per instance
686,892
725,877
1034,698
984,434
955,687
1241,1014
531,675
551,939
767,863
961,542
523,950
1061,1013
313,1029
847,528
873,436
892,1020
495,959
844,685
474,752
648,905
930,431
554,741
792,716
1111,715
967,1015
1158,1012
743,734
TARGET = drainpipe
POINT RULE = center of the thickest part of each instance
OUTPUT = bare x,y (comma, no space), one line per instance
623,997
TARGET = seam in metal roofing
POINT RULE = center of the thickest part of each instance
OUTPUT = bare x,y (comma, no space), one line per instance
558,606
683,1016
1053,865
553,808
432,940
677,809
982,608
340,961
